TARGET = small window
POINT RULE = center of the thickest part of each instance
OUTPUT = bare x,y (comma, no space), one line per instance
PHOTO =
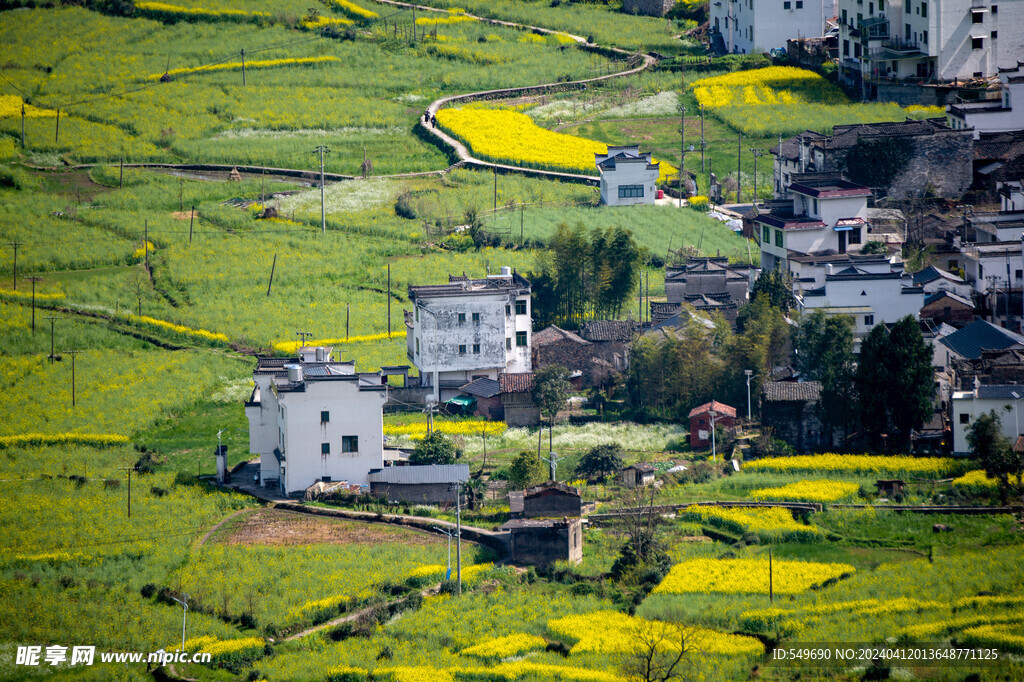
856,50
906,32
965,418
846,48
417,313
1018,274
854,237
906,6
995,34
521,307
325,416
977,17
767,235
350,443
462,349
476,318
799,4
881,5
778,238
417,346
462,318
844,16
814,206
977,43
631,191
871,8
520,339
995,10
924,9
924,37
508,343
476,348
508,311
325,448
869,320
785,5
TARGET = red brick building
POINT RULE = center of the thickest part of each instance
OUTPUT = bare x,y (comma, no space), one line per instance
700,422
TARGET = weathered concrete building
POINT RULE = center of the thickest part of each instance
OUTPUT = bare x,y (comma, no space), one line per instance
468,329
637,475
542,542
431,484
315,419
557,346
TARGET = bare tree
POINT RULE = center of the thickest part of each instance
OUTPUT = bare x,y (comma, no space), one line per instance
663,651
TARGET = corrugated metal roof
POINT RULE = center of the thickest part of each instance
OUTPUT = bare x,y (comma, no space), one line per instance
432,473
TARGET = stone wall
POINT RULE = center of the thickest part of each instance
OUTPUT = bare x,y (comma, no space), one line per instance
651,8
569,354
416,493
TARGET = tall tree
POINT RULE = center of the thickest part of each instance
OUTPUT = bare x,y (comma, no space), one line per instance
759,345
824,352
994,452
777,286
912,387
873,383
551,388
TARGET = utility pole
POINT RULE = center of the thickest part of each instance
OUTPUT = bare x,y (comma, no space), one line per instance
121,181
72,353
739,161
682,133
701,138
522,218
495,188
243,67
458,534
145,247
347,310
771,578
389,300
56,130
191,220
23,125
757,153
181,194
302,338
749,373
129,470
34,279
322,149
52,319
273,266
15,246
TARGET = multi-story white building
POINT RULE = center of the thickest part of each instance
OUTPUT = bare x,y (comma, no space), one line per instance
869,297
827,215
930,40
313,419
627,176
747,26
994,116
469,329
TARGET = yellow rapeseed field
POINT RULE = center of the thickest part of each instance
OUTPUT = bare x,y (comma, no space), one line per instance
810,491
740,576
613,632
181,329
506,136
10,107
503,647
976,478
255,64
290,347
462,428
859,464
770,521
352,9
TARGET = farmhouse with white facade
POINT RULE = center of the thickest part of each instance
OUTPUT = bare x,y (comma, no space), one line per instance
469,329
994,116
746,26
627,176
315,419
967,406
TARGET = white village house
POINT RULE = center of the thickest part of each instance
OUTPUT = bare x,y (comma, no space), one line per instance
314,419
627,176
994,116
747,26
469,329
967,406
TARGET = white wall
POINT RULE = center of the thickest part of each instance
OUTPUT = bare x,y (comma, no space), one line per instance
628,173
761,25
885,297
977,268
964,403
352,413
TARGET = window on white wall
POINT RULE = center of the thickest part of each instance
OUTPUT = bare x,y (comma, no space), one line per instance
350,443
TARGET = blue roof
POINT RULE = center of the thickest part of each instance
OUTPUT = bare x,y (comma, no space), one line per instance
932,273
978,335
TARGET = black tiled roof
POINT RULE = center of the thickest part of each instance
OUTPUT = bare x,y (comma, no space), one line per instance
969,341
792,391
482,388
608,330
